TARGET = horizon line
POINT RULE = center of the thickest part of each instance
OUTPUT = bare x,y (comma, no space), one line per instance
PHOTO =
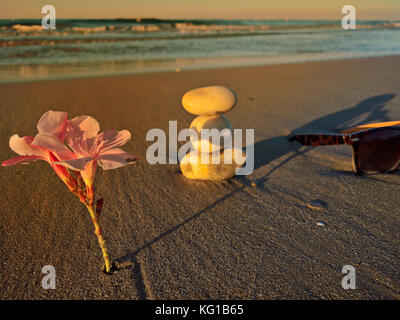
211,19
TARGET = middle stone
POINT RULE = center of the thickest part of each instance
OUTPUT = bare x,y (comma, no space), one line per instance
216,131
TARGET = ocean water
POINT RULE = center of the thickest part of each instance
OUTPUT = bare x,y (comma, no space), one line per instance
94,47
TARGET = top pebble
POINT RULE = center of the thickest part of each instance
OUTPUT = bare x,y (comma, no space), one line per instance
209,101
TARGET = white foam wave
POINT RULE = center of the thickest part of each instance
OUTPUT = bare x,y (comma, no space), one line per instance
23,28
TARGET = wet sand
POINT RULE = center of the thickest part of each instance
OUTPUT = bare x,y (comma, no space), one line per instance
253,237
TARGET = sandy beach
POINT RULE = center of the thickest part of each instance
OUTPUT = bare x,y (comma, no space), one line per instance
253,237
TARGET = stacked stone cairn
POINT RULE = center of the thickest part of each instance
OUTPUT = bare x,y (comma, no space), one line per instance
208,104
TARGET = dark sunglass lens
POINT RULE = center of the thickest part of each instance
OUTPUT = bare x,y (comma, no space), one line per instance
379,151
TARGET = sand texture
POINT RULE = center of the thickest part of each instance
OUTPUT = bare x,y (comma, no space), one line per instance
253,237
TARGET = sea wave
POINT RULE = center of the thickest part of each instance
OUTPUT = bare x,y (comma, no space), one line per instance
89,30
29,32
23,42
183,26
26,28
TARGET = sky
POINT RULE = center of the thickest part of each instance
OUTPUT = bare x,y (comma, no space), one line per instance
202,9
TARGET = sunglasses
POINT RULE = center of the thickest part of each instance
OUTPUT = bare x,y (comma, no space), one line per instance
376,146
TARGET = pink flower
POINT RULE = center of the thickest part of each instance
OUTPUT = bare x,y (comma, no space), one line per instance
46,145
83,151
92,148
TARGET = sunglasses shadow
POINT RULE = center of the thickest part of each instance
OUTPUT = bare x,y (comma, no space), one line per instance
369,110
367,177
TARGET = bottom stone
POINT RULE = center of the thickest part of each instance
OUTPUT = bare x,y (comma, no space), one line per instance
193,167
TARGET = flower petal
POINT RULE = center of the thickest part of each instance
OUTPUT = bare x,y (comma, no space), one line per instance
23,147
83,126
75,164
53,144
20,160
115,158
88,176
53,122
111,139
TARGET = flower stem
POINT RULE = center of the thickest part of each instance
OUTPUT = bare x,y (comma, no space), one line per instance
102,242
